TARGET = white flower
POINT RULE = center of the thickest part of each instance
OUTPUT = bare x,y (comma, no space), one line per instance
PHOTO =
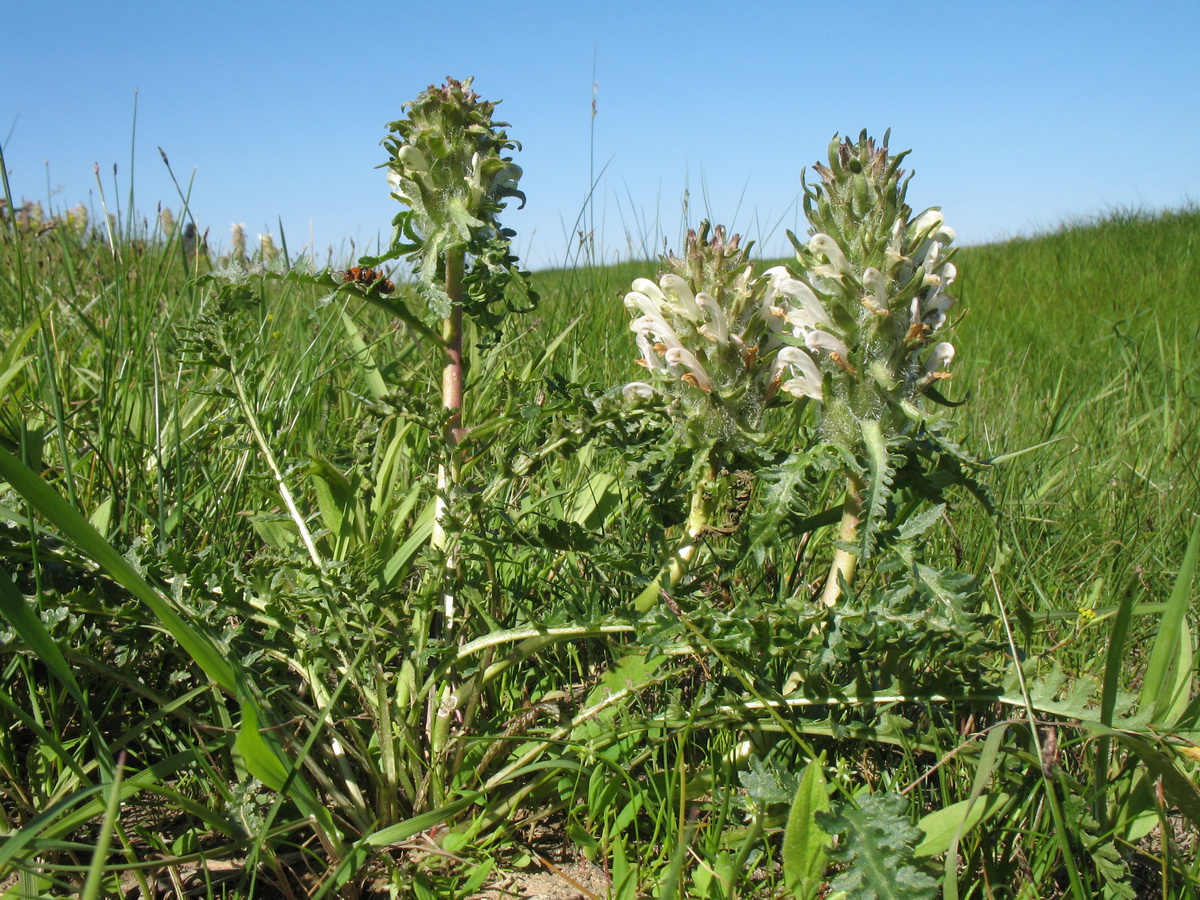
936,364
508,177
940,357
637,301
807,382
934,308
933,253
801,293
926,318
945,235
651,290
823,340
823,243
656,326
412,158
768,311
717,326
808,311
937,302
680,297
649,358
896,243
395,182
838,351
678,356
874,281
928,221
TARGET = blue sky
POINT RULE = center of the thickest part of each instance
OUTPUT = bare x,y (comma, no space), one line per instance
1019,115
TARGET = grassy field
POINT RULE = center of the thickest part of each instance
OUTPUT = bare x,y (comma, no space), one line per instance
226,663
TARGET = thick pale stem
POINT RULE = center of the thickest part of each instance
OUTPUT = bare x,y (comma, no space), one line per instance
844,561
452,399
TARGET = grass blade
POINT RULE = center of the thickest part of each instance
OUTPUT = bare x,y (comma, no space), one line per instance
1168,674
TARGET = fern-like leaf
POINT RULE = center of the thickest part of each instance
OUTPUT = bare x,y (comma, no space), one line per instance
878,488
875,848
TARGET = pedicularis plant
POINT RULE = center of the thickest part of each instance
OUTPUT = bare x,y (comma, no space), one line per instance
817,378
448,168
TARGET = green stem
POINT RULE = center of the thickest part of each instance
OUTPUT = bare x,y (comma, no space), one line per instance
845,562
444,702
260,439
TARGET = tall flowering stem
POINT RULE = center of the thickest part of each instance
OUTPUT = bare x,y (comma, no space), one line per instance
881,276
448,166
709,346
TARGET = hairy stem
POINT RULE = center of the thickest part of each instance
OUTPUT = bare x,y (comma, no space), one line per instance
841,570
452,399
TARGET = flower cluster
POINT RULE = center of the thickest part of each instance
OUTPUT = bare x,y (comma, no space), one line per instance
872,282
707,337
30,218
854,326
448,167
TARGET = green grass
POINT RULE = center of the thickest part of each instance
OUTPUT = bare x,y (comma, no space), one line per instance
136,399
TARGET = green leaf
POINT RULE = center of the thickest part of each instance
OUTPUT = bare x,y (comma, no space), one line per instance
1180,789
112,813
365,358
421,530
1166,684
942,827
265,752
595,500
878,487
479,874
80,532
29,627
624,876
875,851
805,852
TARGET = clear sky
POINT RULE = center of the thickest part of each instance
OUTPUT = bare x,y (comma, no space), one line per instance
1020,115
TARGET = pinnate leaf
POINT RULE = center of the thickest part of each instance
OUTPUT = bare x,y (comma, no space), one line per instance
875,849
